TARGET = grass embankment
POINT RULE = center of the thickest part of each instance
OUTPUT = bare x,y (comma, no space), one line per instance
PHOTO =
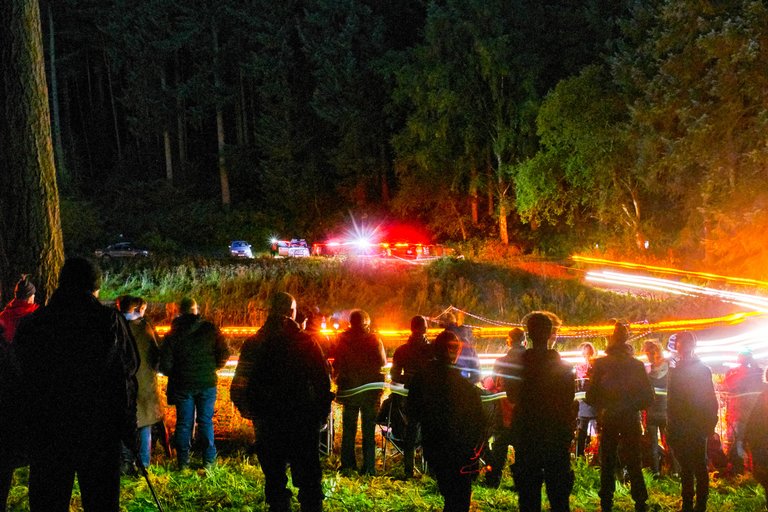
237,484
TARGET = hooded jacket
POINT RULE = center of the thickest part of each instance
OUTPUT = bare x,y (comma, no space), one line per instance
358,359
619,387
11,316
691,400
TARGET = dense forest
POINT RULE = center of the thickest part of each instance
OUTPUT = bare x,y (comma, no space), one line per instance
548,125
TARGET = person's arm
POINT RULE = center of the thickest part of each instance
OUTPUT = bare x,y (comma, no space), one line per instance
166,354
221,348
397,372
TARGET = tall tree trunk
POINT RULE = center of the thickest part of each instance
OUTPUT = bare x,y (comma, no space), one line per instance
385,192
58,147
474,203
30,226
118,142
223,174
167,140
502,192
181,123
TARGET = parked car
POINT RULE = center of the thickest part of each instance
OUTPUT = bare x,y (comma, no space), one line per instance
296,248
240,249
121,250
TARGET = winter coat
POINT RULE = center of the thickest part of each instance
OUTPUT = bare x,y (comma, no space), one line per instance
78,363
450,412
619,388
691,400
191,353
544,395
659,377
469,361
11,316
410,358
148,409
757,431
742,386
358,359
506,368
282,376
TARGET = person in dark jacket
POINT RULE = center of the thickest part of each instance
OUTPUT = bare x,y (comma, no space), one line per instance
544,418
469,361
78,365
283,379
656,414
358,360
756,436
691,419
409,359
191,353
741,386
619,390
450,412
505,368
22,304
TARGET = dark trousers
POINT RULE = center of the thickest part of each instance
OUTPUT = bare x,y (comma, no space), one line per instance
691,453
656,428
454,484
52,475
624,436
582,434
366,409
537,464
497,455
294,443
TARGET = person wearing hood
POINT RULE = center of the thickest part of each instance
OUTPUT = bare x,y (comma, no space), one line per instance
78,368
22,304
190,354
619,390
450,412
545,415
282,383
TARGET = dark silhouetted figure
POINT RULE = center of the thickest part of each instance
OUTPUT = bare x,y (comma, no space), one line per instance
756,436
469,361
78,364
544,419
22,304
282,383
742,386
358,359
450,412
691,419
619,390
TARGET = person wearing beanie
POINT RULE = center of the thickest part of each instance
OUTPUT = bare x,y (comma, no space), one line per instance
78,366
22,304
619,389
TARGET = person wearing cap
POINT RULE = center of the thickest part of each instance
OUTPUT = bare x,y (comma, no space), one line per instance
545,414
358,360
469,361
741,385
22,304
691,419
285,388
190,354
619,389
450,412
409,359
505,368
78,368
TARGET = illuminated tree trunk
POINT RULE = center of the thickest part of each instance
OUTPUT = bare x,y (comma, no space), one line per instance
30,227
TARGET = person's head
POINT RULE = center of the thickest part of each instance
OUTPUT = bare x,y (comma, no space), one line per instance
24,290
282,304
745,358
620,333
448,319
418,325
359,319
127,304
587,350
79,275
516,338
188,306
447,347
652,351
141,305
541,327
684,344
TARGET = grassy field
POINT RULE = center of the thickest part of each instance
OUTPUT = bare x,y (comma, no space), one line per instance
237,484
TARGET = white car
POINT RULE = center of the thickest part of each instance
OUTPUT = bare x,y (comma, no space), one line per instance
240,249
296,248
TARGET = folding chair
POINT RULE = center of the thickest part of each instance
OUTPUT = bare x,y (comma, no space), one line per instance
326,435
392,425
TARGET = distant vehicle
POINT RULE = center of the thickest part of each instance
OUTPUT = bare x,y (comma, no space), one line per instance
121,250
240,249
295,248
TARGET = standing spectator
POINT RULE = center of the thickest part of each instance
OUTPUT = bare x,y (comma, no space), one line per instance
148,409
619,390
469,361
505,368
587,413
190,355
409,359
656,414
22,304
544,418
358,359
283,379
314,327
742,386
78,364
450,412
757,438
691,419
